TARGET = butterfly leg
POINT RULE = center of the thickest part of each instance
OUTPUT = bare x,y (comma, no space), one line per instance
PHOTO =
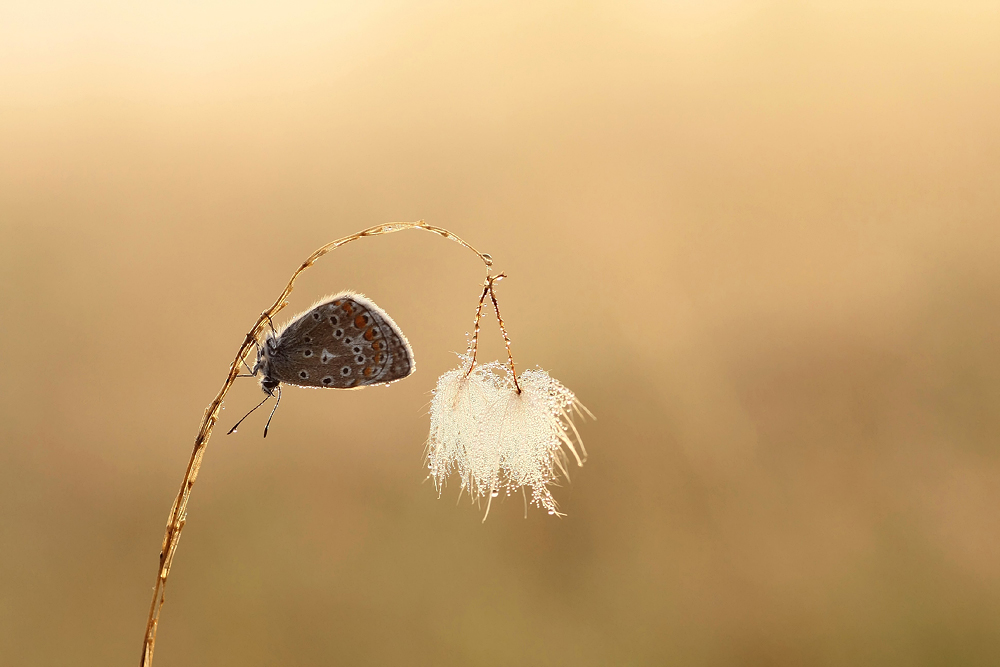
246,375
253,371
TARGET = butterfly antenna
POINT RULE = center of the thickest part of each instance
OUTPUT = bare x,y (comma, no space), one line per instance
233,429
272,411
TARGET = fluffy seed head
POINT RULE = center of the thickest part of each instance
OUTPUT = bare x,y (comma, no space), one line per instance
496,439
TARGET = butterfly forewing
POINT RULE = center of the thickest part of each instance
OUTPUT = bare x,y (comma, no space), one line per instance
343,342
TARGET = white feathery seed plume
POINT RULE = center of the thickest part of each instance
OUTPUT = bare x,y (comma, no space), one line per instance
498,439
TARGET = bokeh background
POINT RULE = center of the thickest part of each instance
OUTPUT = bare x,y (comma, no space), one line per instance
760,240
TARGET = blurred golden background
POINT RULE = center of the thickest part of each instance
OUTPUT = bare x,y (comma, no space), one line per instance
760,240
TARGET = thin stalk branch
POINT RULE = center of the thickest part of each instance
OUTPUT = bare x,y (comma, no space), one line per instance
489,289
474,345
178,511
503,329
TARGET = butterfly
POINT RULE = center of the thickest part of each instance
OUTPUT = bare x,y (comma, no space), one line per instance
344,341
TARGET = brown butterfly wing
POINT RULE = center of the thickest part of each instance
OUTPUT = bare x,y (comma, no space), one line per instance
343,342
389,349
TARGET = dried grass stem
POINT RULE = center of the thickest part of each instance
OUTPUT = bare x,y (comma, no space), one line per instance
178,511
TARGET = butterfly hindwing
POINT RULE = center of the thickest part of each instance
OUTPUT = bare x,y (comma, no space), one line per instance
343,342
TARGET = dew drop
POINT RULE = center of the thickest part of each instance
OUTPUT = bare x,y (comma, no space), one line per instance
495,493
552,511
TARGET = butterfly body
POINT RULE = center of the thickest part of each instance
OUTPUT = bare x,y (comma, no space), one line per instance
344,341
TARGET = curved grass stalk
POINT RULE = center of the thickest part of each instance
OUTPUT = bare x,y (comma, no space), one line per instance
178,512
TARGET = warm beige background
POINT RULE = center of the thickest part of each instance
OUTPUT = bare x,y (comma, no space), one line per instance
759,240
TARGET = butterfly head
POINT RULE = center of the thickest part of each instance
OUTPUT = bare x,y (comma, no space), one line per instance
264,354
